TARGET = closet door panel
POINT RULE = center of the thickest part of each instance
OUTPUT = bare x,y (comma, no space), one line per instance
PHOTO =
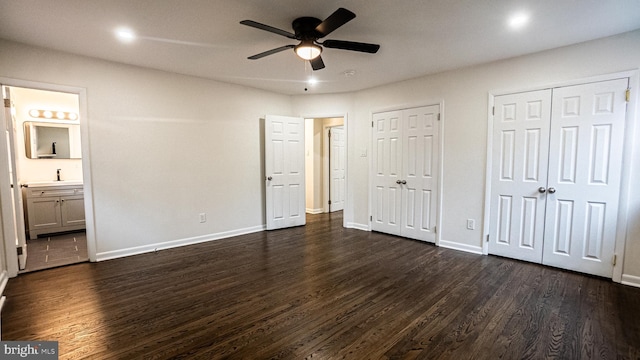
519,174
420,168
585,165
387,160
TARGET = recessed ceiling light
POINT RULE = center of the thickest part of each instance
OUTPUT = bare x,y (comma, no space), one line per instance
312,81
518,21
125,35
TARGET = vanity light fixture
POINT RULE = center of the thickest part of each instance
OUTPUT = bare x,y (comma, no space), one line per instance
49,114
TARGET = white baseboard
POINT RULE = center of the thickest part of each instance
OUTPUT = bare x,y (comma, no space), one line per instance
631,280
314,211
357,226
462,247
175,243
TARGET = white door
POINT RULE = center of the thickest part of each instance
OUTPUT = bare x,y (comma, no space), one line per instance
337,168
585,166
556,168
420,169
519,174
386,152
284,171
17,190
405,172
7,208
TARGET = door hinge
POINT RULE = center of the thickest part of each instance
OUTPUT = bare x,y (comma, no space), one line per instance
435,229
614,260
627,95
371,218
487,237
7,103
329,133
493,111
372,124
19,250
438,116
329,202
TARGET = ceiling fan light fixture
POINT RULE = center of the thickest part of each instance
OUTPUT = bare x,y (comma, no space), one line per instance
307,50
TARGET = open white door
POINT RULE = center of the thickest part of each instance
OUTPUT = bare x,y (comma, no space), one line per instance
284,171
18,209
336,168
7,185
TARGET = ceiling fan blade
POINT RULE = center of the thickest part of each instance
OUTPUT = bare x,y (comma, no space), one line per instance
317,63
268,28
351,45
270,52
334,21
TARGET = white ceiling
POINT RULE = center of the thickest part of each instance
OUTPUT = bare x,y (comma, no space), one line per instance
204,38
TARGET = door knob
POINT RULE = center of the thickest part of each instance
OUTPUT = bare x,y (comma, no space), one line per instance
398,182
404,182
551,190
542,190
269,178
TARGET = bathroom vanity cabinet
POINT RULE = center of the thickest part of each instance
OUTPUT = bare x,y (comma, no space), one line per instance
53,208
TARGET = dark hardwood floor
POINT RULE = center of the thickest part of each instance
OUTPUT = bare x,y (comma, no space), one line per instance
324,292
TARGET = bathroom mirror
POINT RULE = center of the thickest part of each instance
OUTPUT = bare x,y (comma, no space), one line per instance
51,140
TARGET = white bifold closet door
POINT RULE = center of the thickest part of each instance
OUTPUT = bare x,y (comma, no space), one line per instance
405,172
556,171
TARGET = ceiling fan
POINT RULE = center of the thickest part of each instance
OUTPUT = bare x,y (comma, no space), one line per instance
308,30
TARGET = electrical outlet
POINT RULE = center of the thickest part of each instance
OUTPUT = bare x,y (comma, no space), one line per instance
471,224
203,217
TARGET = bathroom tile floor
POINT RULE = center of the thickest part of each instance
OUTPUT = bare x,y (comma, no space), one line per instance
58,250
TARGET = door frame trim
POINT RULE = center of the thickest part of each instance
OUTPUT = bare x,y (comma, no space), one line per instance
86,155
440,187
628,155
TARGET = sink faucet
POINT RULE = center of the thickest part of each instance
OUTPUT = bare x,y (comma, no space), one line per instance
58,174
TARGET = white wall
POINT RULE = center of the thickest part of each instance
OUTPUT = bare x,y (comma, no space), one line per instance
163,148
465,94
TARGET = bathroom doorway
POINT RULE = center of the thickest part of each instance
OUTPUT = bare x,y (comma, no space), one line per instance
44,146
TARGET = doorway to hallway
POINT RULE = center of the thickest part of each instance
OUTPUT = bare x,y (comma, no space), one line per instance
325,164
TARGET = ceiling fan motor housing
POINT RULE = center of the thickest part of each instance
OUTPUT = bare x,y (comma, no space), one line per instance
305,28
